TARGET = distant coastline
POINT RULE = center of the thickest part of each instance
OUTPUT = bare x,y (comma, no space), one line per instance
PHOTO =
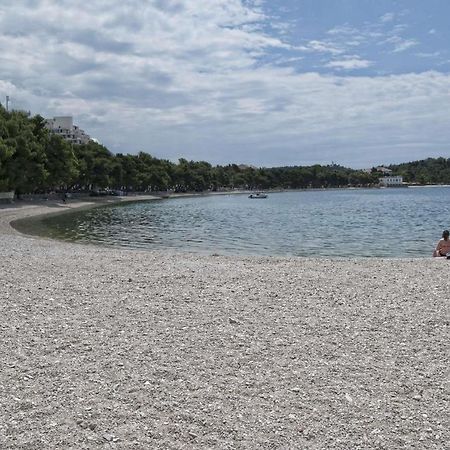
84,165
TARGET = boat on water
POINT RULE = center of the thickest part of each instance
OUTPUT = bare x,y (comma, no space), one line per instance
258,195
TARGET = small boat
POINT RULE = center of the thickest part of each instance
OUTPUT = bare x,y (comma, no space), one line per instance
258,195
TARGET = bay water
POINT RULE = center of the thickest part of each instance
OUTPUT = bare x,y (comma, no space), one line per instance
403,222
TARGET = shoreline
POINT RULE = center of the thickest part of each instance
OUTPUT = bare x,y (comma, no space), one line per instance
24,218
93,202
115,348
10,213
29,209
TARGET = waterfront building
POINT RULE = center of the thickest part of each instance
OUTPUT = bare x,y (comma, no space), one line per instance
392,181
63,126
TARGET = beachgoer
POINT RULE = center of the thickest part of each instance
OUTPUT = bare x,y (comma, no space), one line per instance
443,246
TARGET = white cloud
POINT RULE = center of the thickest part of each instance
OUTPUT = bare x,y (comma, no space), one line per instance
350,64
379,33
343,30
400,44
181,78
323,47
388,17
428,55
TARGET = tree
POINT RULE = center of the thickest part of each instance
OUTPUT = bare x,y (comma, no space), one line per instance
6,153
95,165
24,167
61,163
32,159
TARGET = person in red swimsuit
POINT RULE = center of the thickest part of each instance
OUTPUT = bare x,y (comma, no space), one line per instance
443,246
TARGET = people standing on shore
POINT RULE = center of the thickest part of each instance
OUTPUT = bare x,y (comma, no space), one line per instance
443,246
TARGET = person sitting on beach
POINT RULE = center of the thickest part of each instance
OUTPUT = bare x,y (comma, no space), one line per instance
443,246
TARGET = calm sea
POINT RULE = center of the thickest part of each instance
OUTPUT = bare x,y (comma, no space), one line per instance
335,223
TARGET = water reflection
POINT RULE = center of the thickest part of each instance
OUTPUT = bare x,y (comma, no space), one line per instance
389,222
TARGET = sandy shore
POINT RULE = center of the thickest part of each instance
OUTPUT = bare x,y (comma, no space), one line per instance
110,348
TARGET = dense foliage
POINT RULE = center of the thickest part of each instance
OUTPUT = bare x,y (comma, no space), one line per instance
427,171
34,160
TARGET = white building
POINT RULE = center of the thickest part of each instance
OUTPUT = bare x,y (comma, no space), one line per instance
392,181
381,169
384,170
64,127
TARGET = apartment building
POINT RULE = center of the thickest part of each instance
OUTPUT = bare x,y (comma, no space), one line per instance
64,127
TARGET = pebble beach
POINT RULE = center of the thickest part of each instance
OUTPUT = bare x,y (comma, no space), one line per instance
128,349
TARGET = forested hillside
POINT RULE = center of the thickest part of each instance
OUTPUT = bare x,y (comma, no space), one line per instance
33,160
427,171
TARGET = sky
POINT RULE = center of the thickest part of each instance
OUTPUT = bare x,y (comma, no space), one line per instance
267,83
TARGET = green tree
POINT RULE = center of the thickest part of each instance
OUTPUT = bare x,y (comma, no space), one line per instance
61,163
95,165
23,154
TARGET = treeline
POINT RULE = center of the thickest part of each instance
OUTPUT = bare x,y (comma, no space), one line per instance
426,171
32,160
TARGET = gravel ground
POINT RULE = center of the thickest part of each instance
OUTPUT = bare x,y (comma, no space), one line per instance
110,348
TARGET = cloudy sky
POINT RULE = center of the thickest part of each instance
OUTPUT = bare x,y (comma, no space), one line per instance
279,82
